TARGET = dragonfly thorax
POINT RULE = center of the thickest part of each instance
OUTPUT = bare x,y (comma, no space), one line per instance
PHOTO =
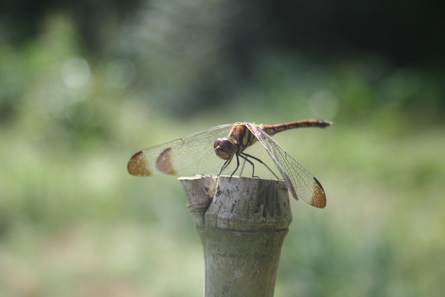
225,148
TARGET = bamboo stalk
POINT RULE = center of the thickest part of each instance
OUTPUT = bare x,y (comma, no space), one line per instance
242,223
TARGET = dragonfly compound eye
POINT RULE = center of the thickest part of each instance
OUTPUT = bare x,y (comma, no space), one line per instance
224,148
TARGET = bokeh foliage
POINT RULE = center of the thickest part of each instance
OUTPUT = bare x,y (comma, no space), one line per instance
74,106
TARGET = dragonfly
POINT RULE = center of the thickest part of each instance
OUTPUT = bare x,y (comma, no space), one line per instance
195,154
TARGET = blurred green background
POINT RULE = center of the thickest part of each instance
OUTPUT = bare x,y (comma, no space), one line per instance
85,84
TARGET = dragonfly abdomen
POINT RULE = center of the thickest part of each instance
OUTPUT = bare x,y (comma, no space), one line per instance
273,129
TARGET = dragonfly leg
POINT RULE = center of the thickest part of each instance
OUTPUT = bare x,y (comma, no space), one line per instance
227,163
245,157
242,167
237,166
258,160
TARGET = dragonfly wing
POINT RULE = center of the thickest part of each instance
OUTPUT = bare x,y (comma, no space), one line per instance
193,154
301,183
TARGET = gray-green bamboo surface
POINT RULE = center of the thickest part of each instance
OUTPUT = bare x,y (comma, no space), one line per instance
242,223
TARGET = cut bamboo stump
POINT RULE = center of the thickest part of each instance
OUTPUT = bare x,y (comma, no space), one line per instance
242,223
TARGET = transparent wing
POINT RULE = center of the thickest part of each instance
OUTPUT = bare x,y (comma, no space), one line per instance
193,154
301,183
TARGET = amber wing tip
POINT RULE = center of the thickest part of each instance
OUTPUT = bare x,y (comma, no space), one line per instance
319,203
319,197
138,166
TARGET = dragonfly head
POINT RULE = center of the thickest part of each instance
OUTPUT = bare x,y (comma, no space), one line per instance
225,148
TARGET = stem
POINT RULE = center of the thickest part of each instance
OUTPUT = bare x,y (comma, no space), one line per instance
242,223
